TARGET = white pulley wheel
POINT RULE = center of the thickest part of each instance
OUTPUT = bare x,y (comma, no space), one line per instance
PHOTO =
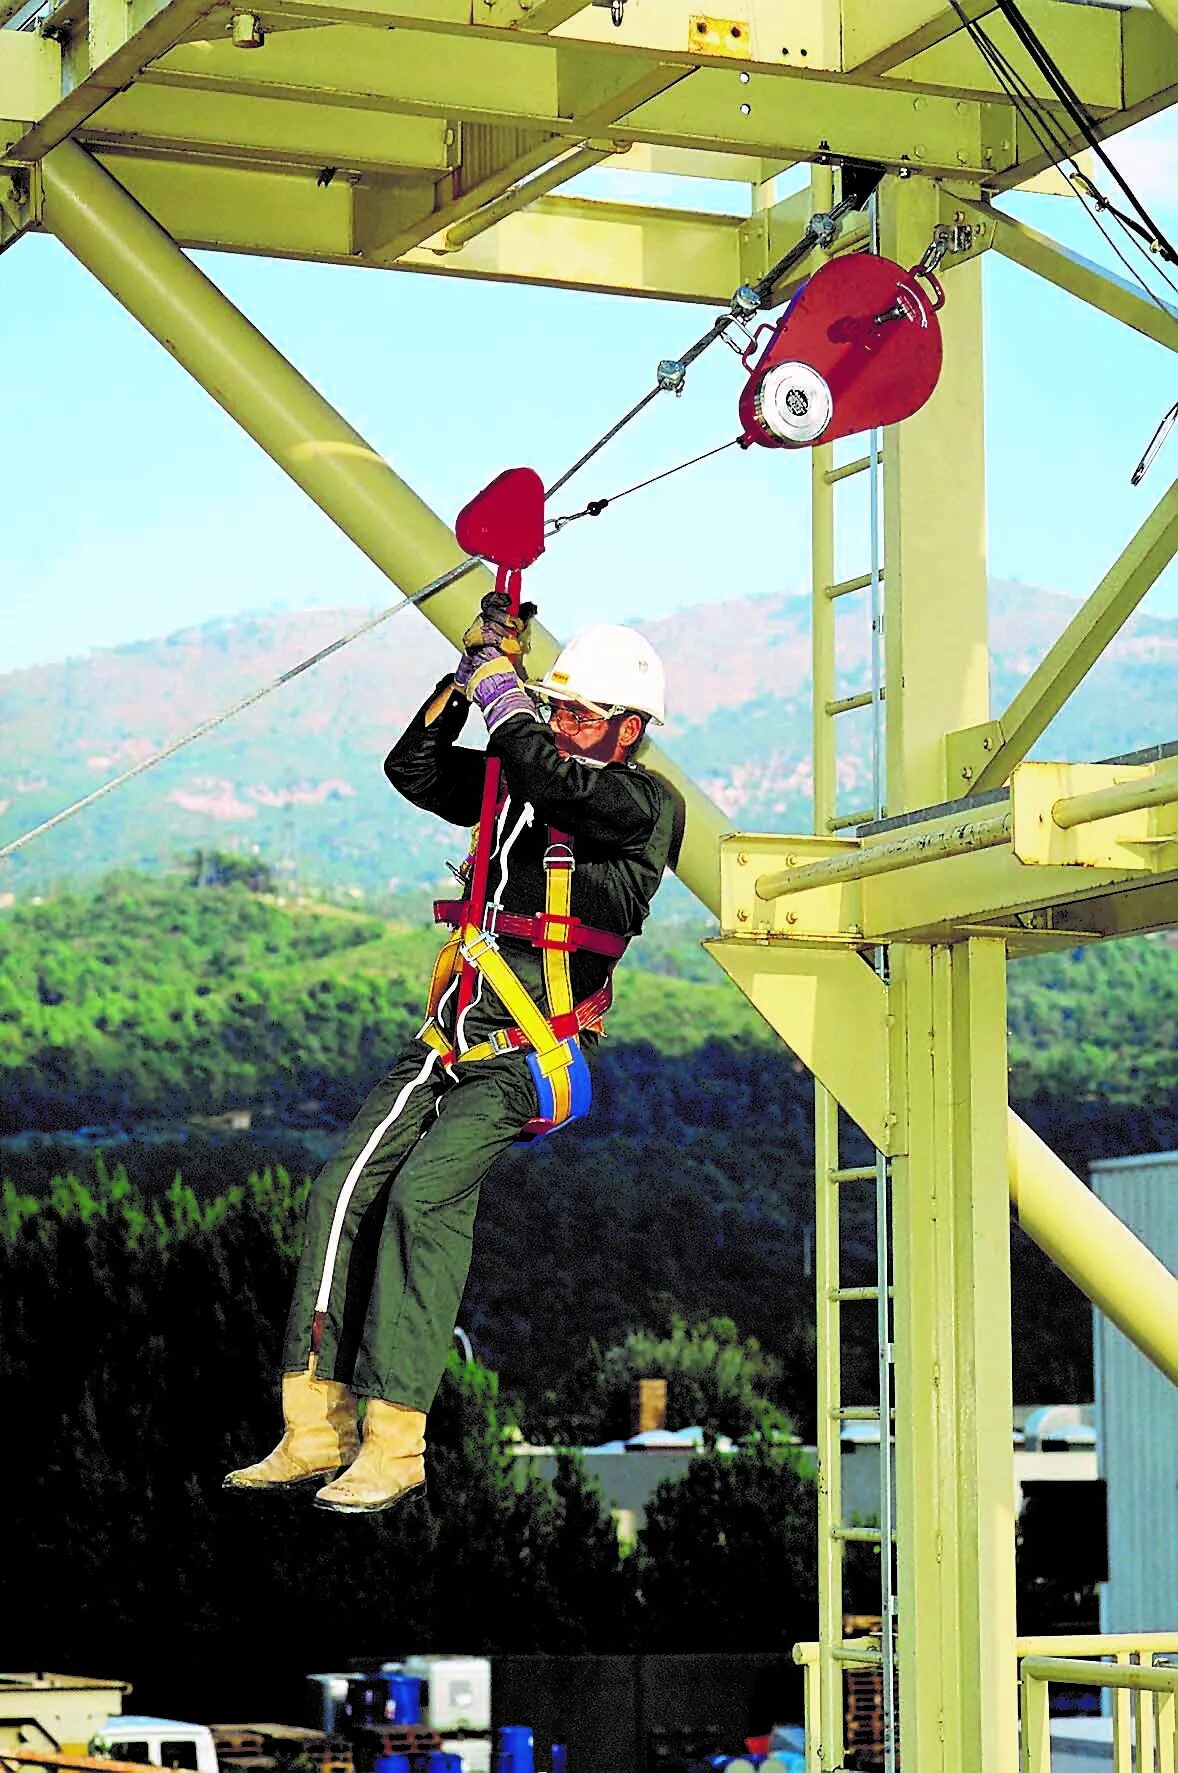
794,403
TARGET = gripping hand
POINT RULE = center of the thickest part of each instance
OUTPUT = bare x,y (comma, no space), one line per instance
496,627
488,678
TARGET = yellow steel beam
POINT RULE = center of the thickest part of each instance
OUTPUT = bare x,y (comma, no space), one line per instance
122,40
561,242
1116,296
228,125
144,269
877,38
1085,815
991,751
479,195
1104,1258
575,243
813,999
1168,9
30,79
554,85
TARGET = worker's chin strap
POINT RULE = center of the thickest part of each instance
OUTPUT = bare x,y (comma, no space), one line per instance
555,1059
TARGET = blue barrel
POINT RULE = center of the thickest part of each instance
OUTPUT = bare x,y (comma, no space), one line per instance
404,1705
391,1764
560,1757
516,1751
439,1761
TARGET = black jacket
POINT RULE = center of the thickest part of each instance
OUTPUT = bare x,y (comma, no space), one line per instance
622,820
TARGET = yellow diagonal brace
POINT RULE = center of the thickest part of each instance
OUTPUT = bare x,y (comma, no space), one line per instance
580,160
1167,9
830,1009
1036,252
1081,643
1105,1259
147,272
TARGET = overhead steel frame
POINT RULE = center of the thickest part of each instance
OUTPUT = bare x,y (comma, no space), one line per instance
406,134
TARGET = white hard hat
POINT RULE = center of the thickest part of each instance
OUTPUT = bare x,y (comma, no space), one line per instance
606,668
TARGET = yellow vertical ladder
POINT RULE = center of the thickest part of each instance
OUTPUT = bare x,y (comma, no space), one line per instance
825,1749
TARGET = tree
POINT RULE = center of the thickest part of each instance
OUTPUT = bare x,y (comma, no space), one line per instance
725,1560
717,1380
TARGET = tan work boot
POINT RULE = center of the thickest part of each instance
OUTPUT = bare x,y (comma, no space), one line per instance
390,1465
320,1436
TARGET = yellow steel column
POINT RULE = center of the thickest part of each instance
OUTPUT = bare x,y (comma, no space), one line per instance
141,265
954,1457
935,639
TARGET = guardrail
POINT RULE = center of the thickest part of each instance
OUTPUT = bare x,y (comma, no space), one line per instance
1145,1696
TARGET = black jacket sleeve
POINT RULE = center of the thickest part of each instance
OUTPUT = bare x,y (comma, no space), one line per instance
615,807
432,772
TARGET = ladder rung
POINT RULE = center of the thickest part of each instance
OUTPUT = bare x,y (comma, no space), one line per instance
846,819
855,1413
846,586
855,1295
834,475
857,1173
860,1535
846,704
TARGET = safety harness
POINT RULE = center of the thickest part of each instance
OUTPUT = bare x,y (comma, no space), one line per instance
555,1059
505,523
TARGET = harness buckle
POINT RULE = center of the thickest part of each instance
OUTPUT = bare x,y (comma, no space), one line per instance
559,855
482,942
499,1040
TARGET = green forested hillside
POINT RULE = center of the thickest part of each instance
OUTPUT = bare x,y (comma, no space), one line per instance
689,1188
144,998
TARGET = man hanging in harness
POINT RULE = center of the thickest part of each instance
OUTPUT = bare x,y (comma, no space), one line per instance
581,837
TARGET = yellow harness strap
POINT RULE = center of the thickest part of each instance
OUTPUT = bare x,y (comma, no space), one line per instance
481,950
558,898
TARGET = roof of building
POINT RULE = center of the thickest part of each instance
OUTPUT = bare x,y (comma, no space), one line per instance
42,1682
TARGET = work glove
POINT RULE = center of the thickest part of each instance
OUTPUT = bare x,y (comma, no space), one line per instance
488,678
495,626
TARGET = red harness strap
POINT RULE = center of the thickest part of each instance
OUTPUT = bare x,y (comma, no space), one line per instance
535,929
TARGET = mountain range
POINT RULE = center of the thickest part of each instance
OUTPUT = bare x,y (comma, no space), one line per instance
298,777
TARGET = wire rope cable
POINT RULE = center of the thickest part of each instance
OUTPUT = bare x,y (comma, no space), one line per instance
1073,104
746,301
1057,146
215,720
451,577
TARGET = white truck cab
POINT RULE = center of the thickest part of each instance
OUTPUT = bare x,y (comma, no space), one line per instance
160,1742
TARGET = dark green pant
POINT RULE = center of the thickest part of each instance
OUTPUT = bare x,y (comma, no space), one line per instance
390,1222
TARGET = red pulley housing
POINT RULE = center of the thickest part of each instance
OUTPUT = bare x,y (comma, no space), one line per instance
505,522
859,346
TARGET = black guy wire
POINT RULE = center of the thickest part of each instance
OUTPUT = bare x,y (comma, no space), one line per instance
1073,104
1054,144
1033,108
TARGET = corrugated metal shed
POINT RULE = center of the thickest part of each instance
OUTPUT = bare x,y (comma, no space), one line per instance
1137,1414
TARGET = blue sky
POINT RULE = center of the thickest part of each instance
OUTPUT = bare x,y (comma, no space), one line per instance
136,506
